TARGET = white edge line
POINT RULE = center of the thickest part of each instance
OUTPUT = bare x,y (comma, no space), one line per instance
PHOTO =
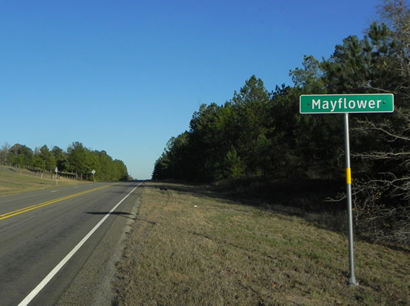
58,267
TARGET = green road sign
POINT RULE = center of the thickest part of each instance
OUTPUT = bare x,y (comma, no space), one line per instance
346,103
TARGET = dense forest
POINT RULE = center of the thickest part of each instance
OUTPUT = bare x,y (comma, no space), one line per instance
77,161
260,134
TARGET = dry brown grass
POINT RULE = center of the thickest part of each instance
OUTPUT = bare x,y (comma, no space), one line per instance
189,248
15,180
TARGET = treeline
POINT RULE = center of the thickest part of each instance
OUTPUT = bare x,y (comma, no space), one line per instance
77,159
260,133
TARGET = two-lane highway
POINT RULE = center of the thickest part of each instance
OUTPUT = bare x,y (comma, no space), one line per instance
38,230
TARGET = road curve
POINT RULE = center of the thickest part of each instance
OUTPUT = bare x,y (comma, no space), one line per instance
38,230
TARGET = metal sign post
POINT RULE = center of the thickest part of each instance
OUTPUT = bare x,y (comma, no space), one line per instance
93,172
352,279
345,104
56,171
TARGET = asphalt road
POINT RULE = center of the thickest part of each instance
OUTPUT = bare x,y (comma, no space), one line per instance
38,229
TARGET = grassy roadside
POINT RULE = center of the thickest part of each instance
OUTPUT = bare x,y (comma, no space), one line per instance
14,180
189,248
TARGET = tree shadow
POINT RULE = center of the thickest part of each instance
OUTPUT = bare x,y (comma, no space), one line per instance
307,195
115,213
304,199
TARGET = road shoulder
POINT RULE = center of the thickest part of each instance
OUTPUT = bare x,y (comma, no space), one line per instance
93,283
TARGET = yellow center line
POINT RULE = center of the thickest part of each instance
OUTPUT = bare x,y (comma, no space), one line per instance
36,206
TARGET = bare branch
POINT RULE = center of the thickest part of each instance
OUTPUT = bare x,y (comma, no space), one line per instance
380,155
372,126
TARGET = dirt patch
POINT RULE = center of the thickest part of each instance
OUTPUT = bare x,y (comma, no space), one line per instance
186,248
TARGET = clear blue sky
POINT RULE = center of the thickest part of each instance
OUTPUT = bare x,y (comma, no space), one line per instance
125,76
